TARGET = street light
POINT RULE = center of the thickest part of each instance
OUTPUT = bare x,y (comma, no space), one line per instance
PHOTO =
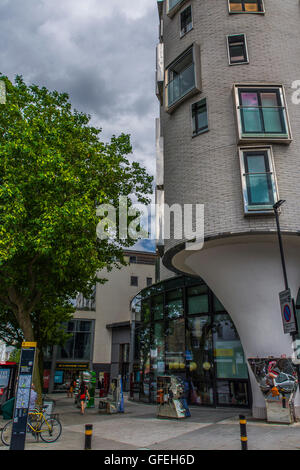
276,206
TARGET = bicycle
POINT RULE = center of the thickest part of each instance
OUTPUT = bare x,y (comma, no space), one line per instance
38,424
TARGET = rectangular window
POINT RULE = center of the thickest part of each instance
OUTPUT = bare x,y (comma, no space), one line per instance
186,23
237,49
134,281
199,117
183,77
258,180
149,281
262,114
246,6
132,259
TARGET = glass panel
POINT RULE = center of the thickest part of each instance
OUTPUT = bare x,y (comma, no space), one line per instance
173,3
84,326
70,326
181,84
232,393
228,351
272,117
175,346
251,5
197,290
143,343
218,306
201,393
237,53
199,359
145,311
158,350
174,304
259,189
158,307
198,304
199,345
199,116
4,377
66,351
186,20
82,348
251,119
236,5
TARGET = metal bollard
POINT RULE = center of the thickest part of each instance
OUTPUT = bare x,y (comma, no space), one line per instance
243,429
88,437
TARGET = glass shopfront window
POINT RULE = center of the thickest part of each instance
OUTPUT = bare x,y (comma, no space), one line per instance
200,359
184,330
174,304
79,344
229,355
175,346
158,307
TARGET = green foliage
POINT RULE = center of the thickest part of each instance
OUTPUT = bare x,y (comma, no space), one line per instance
15,356
54,171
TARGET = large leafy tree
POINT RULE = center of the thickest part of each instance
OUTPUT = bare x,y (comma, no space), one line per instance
54,172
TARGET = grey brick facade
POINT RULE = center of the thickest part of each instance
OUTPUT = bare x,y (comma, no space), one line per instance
205,169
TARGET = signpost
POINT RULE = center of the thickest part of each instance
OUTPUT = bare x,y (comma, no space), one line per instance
287,312
21,407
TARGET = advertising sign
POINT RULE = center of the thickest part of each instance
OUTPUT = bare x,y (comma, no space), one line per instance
21,408
287,312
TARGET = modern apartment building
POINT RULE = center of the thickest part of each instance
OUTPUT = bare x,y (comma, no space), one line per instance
100,329
228,137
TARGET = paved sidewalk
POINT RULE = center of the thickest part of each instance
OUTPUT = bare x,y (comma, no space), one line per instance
138,428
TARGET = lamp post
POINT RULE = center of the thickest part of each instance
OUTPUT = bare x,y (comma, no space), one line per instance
276,207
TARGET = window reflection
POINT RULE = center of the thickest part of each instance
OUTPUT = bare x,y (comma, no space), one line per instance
200,345
229,355
174,304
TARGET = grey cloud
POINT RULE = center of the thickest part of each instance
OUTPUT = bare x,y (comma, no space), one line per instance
105,64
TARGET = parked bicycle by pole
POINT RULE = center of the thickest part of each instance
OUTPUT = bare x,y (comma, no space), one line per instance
49,428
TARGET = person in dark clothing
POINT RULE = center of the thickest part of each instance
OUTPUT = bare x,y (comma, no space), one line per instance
83,396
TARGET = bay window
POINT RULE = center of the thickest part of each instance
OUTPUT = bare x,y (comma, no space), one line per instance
262,114
258,180
173,6
183,77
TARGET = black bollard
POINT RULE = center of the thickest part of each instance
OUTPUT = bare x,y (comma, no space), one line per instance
88,437
243,429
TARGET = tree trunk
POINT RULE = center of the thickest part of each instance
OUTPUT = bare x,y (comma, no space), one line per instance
26,327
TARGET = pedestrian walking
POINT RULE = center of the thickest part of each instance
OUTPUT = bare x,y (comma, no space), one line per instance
71,387
83,396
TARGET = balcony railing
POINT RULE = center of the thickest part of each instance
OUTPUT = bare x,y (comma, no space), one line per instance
181,84
260,120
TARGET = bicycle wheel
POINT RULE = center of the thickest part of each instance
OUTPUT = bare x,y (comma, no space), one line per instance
50,430
6,433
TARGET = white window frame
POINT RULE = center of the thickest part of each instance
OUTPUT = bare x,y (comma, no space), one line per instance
261,137
250,209
262,12
246,49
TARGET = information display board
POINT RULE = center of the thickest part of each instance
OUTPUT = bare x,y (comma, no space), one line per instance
21,408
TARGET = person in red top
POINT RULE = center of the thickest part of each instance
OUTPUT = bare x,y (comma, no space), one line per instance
83,396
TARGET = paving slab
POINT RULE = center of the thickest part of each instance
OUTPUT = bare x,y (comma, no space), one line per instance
138,428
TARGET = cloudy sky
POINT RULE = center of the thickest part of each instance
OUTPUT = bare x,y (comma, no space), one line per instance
101,52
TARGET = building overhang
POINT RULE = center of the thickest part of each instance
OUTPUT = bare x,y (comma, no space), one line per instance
175,258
